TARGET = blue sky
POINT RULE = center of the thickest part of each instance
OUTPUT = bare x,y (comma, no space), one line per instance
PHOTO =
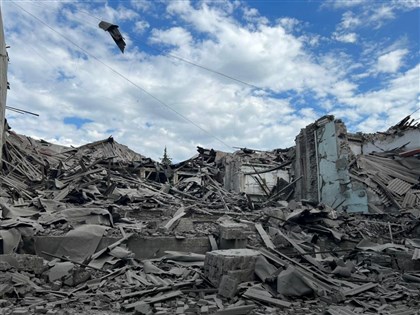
273,68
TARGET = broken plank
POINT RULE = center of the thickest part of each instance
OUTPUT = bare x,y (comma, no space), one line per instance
360,289
178,215
213,243
266,238
256,295
308,258
155,299
328,284
113,245
236,310
161,289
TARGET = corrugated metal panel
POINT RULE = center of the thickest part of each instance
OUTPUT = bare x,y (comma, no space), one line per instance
383,198
398,186
411,198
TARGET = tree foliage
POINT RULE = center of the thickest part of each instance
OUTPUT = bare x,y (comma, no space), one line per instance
166,160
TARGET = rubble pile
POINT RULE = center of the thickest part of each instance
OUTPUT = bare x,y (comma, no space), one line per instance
102,229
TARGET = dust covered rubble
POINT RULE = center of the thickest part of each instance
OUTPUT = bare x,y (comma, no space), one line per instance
77,223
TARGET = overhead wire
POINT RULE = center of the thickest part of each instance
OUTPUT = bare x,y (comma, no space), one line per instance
205,68
21,111
124,77
183,59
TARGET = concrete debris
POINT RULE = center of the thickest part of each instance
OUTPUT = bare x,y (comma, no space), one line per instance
291,282
330,226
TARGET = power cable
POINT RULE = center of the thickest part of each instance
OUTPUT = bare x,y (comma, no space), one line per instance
205,68
124,77
182,58
21,111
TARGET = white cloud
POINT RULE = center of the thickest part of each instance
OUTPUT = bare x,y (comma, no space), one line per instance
392,61
141,26
372,124
395,100
263,54
141,5
381,14
339,4
346,38
289,24
343,33
370,14
176,36
349,20
252,15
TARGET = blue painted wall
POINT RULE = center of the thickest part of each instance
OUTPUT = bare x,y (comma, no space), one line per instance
335,186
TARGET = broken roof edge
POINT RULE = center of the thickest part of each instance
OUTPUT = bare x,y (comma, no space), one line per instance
58,149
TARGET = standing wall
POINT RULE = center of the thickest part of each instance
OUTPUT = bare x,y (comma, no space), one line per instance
322,159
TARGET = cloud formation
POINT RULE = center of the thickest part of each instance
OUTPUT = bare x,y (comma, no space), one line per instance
150,98
391,62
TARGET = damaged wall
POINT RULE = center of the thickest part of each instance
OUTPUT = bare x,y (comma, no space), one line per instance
336,188
257,180
322,158
306,165
403,136
410,139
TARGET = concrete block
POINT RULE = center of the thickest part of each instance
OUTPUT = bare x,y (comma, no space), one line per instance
79,275
143,309
242,275
238,263
228,286
232,231
185,225
24,262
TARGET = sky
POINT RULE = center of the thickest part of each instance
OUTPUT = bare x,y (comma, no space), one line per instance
216,74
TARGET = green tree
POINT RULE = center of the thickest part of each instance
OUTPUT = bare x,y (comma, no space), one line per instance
166,160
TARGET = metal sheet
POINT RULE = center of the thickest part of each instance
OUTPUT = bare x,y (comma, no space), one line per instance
398,186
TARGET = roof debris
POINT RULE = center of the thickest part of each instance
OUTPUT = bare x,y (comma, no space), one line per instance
331,226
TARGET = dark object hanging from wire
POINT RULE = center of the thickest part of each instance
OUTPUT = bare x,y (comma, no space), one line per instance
115,34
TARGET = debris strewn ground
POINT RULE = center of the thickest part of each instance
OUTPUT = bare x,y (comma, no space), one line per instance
100,229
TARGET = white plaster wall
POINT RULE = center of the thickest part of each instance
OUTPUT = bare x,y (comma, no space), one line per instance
250,186
355,147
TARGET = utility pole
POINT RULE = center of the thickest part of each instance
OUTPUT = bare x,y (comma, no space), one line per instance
4,60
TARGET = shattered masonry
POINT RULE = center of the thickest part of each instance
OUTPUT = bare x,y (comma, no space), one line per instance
330,226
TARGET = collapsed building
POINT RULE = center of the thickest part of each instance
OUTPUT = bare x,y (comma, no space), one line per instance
329,226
